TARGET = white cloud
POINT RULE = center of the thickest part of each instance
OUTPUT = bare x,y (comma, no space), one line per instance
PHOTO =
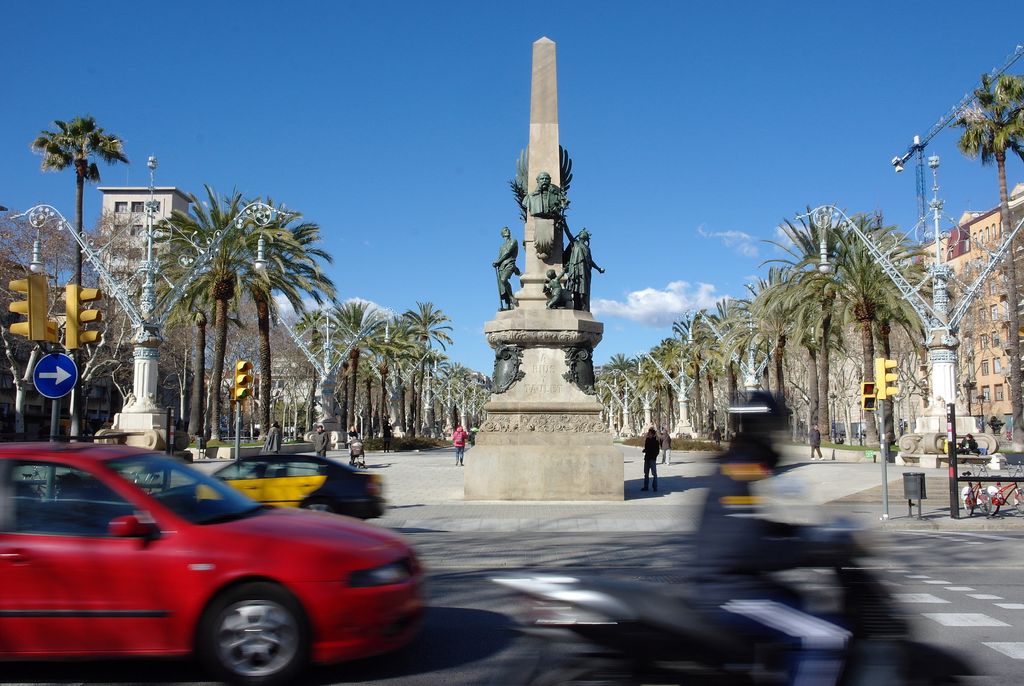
740,241
659,308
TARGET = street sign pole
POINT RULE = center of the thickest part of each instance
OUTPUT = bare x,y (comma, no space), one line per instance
55,419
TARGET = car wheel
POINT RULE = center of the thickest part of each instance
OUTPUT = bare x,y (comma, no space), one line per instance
318,505
255,635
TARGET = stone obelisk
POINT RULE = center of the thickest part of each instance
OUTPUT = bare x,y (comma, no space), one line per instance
543,438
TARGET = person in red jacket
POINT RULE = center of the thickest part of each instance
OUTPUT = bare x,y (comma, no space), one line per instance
459,441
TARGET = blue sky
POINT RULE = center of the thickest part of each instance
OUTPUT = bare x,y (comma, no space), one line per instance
694,128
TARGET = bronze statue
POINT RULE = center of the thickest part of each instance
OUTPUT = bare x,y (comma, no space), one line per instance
505,267
548,201
577,269
558,297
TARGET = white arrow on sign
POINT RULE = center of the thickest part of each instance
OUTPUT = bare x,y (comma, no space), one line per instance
59,375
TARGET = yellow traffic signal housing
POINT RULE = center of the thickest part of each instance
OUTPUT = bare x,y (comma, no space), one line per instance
35,306
74,296
243,380
886,378
867,396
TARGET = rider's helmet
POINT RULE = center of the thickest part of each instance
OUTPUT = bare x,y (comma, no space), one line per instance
760,414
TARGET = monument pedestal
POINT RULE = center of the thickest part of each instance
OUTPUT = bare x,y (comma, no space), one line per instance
543,438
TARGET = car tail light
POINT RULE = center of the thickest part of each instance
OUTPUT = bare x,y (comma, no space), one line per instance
373,487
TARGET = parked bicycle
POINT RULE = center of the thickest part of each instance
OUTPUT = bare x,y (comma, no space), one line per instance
992,497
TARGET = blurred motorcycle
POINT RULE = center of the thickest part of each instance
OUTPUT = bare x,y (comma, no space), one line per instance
602,632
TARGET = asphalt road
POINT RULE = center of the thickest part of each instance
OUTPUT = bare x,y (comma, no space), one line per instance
961,590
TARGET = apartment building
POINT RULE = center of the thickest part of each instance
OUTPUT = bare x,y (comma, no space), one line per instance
984,357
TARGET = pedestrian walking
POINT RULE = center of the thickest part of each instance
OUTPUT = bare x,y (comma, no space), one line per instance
716,435
272,443
459,441
666,446
815,438
652,446
320,440
385,433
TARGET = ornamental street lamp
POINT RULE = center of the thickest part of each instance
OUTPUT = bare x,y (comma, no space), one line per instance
329,363
940,317
140,417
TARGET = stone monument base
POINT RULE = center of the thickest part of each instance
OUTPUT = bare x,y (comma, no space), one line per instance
544,466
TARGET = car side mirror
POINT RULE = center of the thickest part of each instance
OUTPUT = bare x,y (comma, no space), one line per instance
130,526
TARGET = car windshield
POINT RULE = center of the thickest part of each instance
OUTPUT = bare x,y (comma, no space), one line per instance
188,493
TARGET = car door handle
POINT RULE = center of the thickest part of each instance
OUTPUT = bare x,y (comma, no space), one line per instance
17,557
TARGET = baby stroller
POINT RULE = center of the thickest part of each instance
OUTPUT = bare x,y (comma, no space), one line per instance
356,456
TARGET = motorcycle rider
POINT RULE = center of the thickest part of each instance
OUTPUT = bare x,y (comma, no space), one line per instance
736,550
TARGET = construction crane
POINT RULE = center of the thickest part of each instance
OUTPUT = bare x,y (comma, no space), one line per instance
918,146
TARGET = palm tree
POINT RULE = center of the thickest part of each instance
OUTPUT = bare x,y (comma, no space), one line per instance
78,143
991,128
203,223
428,325
812,296
358,322
866,294
774,314
292,270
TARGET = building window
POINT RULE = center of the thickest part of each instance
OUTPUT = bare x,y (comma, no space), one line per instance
984,341
994,311
997,365
992,287
999,391
138,206
984,367
136,230
995,340
120,206
985,394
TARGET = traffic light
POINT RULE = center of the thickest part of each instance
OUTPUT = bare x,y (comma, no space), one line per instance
243,380
74,296
35,306
867,396
886,378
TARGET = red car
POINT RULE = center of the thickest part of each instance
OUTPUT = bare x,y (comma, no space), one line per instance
113,551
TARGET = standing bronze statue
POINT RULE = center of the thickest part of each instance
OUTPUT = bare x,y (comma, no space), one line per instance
505,267
577,269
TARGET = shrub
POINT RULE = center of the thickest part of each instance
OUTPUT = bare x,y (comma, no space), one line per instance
406,444
685,444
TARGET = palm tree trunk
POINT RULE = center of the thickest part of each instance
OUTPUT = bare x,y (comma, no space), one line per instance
76,391
780,354
266,380
867,349
352,387
733,388
698,404
1012,302
220,325
812,387
196,414
824,365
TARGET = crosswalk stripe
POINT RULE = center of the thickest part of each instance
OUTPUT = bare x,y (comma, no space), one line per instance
1014,650
959,588
918,598
984,596
918,576
1010,606
937,581
963,619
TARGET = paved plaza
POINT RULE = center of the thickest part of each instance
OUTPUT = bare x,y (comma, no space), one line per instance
424,492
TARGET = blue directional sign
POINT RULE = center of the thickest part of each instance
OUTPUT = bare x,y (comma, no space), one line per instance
55,375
